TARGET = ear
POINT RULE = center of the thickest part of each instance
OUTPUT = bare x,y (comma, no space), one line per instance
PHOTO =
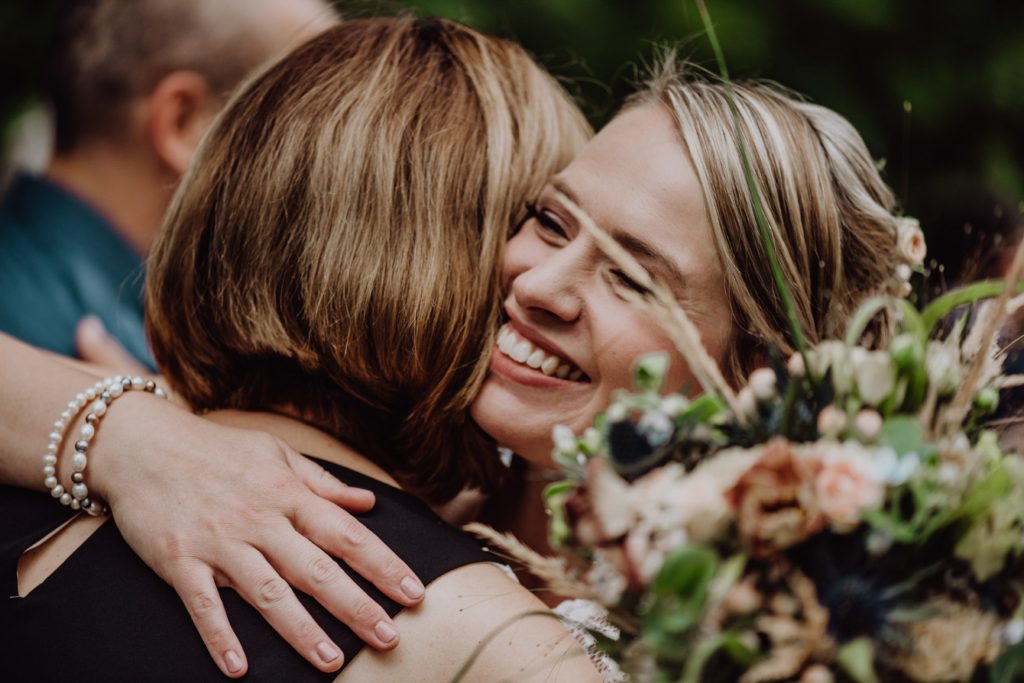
180,110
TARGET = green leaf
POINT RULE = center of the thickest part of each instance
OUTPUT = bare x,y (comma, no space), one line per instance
686,573
996,484
857,659
727,641
940,308
649,372
904,434
1009,668
702,409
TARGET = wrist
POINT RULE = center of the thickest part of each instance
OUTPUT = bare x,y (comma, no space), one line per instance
113,450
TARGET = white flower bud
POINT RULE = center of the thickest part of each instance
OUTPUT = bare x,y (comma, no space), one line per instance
795,365
674,404
868,424
747,404
910,241
831,421
616,412
762,383
565,440
876,375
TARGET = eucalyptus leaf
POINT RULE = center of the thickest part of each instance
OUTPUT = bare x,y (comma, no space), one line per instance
686,573
904,434
650,370
857,659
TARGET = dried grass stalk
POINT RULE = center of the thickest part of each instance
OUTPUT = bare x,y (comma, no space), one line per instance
990,324
550,570
659,301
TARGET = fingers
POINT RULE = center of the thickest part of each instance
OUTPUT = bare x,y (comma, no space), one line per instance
96,345
263,588
342,535
324,484
312,571
197,589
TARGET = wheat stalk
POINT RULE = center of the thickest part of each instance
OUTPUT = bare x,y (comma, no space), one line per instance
990,324
550,570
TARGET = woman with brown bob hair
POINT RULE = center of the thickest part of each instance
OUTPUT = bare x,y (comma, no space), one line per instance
328,273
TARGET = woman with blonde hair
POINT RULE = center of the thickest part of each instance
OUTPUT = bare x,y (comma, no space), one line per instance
664,178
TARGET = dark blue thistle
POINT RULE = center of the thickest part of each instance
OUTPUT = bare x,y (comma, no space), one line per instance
630,449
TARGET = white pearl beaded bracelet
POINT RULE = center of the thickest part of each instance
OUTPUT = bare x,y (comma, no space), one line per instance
94,401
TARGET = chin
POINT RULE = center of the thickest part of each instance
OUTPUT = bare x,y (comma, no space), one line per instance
508,424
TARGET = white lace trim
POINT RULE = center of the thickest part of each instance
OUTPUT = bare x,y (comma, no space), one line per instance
584,618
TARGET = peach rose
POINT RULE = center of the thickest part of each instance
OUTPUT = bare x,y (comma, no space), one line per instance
775,501
846,485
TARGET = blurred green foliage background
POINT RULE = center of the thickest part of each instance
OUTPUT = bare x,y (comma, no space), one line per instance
936,87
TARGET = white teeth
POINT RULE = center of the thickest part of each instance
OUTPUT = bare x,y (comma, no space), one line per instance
506,342
522,351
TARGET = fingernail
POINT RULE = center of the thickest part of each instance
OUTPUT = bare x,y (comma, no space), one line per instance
412,588
385,631
93,327
328,651
232,661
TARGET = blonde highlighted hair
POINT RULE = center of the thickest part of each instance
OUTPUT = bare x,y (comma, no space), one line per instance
334,250
829,212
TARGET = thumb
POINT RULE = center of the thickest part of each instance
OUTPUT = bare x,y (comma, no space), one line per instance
95,345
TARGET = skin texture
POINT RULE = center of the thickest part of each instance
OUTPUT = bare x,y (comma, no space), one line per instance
466,605
635,180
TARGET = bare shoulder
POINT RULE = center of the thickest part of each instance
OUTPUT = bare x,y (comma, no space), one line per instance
477,607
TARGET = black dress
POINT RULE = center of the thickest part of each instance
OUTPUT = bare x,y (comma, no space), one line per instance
104,615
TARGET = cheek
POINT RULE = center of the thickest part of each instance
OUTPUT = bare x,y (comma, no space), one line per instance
522,253
638,334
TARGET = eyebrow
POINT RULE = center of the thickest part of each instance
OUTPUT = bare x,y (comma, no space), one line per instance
629,241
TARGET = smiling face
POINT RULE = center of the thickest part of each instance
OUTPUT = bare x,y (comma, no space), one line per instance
570,339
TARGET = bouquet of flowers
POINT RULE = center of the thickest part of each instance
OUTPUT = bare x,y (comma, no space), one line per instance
846,516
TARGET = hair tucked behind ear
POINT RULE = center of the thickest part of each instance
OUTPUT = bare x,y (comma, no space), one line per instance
334,250
828,211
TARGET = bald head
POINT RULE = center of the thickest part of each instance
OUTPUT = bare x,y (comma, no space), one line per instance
110,53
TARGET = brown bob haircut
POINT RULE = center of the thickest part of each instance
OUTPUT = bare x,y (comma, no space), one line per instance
334,251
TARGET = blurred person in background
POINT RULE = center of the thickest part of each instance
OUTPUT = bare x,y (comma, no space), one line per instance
133,85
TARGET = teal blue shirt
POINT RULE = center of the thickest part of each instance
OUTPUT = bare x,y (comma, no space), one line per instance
60,260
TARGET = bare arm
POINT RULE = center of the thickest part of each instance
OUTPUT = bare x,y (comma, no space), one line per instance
179,486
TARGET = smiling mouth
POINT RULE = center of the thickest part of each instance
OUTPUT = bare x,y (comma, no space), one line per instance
525,353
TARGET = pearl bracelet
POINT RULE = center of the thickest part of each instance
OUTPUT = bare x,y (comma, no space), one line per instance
94,401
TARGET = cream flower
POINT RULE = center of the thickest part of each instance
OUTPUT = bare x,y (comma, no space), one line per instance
875,374
910,241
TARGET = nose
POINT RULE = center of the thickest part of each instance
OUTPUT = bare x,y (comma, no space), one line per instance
549,287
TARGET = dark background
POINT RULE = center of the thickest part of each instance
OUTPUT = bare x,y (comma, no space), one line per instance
935,87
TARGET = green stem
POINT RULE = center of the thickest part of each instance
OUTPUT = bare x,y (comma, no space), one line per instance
938,309
755,195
